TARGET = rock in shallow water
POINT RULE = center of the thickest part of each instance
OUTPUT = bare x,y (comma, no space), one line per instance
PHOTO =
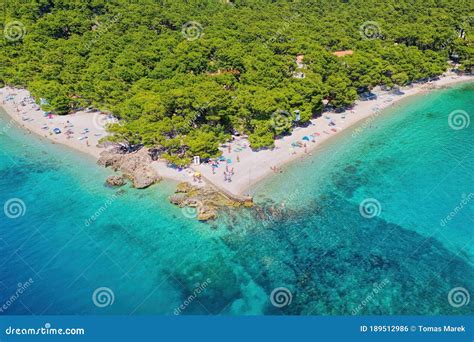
178,199
136,166
206,213
115,180
206,200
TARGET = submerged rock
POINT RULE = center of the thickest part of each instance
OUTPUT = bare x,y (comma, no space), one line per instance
206,213
178,199
120,192
115,180
206,200
136,166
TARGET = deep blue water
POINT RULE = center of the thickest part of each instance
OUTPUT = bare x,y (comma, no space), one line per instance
73,235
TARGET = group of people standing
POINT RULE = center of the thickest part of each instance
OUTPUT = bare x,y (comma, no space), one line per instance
228,173
229,170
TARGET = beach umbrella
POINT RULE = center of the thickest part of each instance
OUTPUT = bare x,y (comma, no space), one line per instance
306,138
229,161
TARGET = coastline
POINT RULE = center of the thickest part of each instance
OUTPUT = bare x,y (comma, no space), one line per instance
33,120
88,128
256,165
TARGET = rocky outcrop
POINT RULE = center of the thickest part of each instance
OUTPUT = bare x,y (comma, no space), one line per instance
206,214
178,199
136,166
204,201
115,180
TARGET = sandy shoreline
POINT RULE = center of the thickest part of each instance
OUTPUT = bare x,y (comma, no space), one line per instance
83,130
255,166
80,131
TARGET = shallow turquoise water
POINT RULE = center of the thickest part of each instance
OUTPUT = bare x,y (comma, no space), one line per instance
308,235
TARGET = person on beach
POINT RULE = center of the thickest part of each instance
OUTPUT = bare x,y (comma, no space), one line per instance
229,148
276,169
238,159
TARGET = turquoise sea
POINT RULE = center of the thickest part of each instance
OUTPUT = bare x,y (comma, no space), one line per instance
358,228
